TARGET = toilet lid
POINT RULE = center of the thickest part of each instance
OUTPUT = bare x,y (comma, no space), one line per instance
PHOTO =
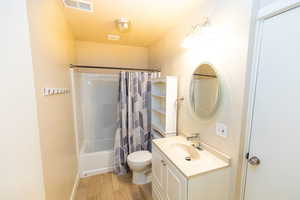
140,156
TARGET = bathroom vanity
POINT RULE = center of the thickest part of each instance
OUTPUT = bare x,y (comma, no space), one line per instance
182,172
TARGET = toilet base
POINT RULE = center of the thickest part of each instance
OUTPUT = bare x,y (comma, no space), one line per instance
139,178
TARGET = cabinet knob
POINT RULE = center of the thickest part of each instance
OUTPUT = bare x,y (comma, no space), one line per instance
163,162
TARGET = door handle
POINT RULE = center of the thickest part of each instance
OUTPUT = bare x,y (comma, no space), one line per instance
254,161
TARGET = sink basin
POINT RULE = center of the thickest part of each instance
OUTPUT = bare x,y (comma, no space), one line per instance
184,151
176,149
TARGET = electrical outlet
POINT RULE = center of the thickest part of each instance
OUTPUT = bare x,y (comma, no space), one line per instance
221,130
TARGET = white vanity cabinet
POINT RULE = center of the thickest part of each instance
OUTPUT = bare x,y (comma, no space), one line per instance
169,183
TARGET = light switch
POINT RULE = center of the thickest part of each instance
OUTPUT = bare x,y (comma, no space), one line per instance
45,92
221,130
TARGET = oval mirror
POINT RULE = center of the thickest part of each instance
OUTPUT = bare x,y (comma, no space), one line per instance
204,91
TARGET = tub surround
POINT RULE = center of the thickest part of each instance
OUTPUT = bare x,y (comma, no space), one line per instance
207,160
94,130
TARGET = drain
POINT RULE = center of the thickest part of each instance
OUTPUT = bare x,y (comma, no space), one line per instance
188,158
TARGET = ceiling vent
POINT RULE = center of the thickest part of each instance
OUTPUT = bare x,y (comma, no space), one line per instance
85,5
113,37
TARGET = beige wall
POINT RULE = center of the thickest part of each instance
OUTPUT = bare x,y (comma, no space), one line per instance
265,2
21,167
53,50
225,47
92,53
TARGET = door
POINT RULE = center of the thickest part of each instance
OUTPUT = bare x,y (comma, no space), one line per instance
274,163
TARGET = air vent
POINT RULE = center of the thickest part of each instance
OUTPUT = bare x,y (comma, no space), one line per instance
85,5
113,37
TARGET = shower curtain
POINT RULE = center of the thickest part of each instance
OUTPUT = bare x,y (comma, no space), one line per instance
134,117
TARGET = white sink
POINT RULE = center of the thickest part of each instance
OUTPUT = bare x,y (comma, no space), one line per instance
177,149
184,151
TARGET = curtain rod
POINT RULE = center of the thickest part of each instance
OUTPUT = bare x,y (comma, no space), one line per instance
113,68
206,75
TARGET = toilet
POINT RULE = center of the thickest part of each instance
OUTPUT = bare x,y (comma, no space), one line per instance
140,164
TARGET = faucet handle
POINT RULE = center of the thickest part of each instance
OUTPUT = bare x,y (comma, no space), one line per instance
193,137
196,134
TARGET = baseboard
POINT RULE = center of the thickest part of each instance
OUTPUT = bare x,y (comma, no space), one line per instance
75,186
95,172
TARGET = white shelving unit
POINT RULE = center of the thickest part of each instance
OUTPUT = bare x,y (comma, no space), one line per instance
164,109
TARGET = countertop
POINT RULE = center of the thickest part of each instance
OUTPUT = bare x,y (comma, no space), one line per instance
210,159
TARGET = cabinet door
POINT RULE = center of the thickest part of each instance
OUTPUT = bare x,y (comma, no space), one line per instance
158,174
167,181
175,184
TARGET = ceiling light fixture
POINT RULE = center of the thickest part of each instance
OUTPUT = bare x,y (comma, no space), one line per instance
123,24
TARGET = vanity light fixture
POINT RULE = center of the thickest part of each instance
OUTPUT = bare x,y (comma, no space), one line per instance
193,36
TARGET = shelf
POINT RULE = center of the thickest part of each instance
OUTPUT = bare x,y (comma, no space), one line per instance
159,111
158,96
163,102
159,88
159,81
158,128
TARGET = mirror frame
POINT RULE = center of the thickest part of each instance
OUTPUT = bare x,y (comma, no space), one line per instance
215,110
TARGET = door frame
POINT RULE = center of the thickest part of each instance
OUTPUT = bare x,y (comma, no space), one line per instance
276,8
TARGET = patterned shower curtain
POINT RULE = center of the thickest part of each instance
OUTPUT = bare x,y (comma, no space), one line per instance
134,117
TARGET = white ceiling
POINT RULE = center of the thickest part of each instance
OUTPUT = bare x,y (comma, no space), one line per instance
150,19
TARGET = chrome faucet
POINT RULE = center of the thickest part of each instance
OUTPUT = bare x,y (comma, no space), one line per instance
194,137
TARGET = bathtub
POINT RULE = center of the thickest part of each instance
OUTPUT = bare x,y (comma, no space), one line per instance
96,157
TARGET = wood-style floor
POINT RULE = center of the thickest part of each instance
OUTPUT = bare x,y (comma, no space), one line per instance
112,187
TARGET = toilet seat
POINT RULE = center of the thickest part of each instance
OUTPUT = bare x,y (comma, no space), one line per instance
140,157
